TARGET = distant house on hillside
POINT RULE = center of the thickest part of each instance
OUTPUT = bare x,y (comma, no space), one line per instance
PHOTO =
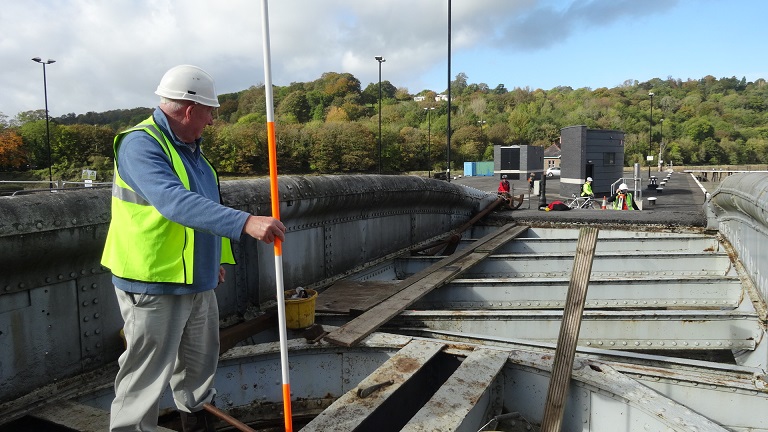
552,156
438,98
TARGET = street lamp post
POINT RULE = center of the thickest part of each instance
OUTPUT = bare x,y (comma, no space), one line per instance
481,123
661,142
448,111
429,140
381,60
482,134
47,129
650,136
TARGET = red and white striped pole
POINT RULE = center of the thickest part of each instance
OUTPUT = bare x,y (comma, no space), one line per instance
273,192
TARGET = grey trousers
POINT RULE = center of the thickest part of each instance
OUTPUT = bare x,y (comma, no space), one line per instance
170,339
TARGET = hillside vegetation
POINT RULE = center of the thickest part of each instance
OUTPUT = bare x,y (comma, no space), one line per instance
331,125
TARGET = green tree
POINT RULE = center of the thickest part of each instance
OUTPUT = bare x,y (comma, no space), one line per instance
295,108
293,147
33,134
77,143
469,142
410,153
699,129
30,116
342,147
335,85
459,84
498,133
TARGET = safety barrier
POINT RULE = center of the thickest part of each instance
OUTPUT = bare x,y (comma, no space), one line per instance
739,210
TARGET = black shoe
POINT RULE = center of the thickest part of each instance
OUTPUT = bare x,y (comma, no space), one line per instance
200,421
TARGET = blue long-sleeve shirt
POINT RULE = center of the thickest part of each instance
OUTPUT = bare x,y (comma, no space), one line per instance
143,165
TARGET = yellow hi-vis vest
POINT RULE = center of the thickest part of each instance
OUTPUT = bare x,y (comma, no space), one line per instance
141,243
628,202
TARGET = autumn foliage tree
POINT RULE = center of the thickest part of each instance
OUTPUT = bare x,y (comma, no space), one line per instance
12,154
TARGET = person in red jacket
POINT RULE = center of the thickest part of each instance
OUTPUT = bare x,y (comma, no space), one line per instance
504,185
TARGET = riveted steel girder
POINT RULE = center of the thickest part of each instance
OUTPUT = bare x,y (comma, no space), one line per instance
627,330
608,293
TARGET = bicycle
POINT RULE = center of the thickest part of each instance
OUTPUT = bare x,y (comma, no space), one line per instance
585,202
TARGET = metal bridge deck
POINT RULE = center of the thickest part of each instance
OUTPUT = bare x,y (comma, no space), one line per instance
648,291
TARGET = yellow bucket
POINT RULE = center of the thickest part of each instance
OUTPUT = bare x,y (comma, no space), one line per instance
300,312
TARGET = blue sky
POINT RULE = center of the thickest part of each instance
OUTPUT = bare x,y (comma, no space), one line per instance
111,54
681,39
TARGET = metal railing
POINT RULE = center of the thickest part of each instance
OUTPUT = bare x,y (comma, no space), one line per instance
59,185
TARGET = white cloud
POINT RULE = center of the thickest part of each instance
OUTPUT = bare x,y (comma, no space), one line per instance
111,54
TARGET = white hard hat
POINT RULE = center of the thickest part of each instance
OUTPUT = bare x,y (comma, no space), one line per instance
623,186
589,178
187,82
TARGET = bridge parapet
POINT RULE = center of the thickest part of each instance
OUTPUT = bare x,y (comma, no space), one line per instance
739,210
58,313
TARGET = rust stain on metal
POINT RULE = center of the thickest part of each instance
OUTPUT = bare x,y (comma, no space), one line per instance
406,365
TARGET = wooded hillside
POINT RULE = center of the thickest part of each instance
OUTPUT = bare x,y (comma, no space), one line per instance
331,125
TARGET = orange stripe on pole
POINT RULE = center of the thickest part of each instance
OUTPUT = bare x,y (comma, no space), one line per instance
273,189
287,414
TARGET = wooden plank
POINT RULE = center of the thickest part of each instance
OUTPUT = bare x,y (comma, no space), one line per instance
350,410
457,397
345,296
569,330
58,392
418,285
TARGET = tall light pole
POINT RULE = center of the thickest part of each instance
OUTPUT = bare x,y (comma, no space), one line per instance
481,123
429,140
47,129
448,112
381,60
661,141
650,136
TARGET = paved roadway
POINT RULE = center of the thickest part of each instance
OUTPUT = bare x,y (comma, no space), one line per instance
680,204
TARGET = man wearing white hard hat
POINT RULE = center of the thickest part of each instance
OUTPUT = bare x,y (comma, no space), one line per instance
586,190
167,239
623,199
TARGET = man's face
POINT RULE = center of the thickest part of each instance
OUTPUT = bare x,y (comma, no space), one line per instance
199,117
